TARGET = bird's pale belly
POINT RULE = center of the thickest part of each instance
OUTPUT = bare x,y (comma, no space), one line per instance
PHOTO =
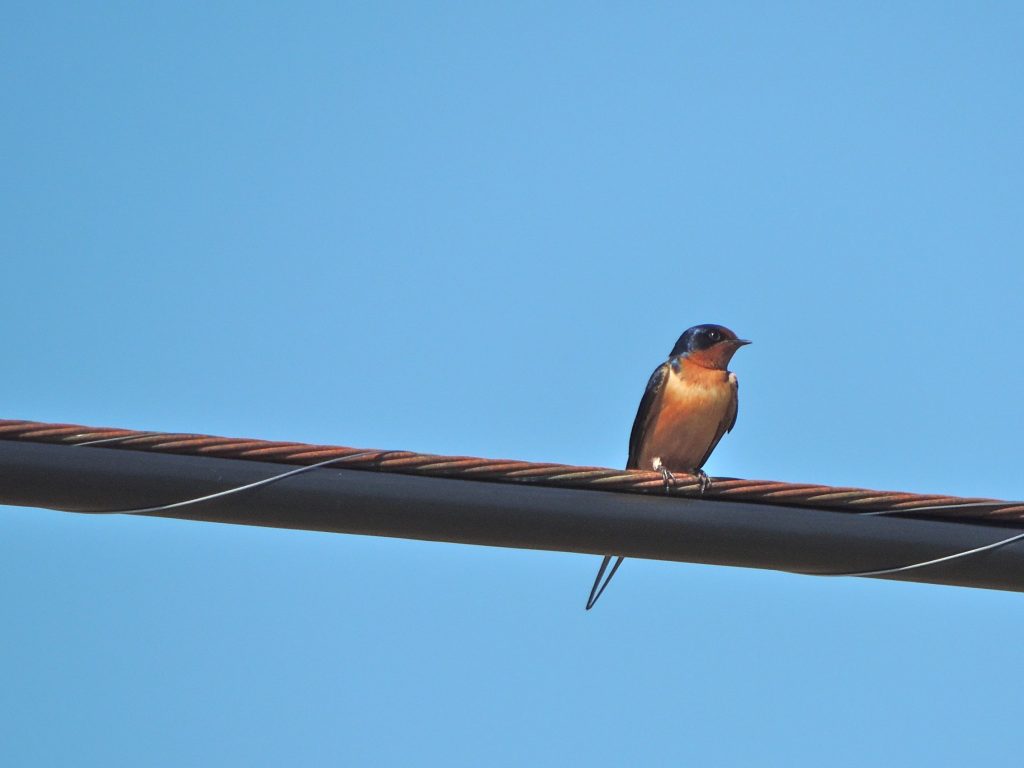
689,421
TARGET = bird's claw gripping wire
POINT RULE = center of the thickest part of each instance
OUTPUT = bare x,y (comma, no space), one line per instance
702,479
667,478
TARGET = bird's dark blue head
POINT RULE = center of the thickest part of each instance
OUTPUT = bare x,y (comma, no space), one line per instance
710,345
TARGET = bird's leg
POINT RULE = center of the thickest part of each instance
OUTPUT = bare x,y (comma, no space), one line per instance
666,477
702,478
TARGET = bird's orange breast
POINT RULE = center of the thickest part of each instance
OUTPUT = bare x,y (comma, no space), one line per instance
695,404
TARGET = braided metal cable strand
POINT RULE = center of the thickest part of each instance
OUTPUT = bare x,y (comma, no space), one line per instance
855,500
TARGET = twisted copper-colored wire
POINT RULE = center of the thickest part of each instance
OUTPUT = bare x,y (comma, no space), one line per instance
502,470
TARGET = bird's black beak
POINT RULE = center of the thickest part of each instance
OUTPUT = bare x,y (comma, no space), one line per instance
741,342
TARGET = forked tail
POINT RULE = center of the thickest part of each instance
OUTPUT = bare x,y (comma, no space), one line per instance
598,589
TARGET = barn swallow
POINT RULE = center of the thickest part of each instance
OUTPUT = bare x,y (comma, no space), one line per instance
690,402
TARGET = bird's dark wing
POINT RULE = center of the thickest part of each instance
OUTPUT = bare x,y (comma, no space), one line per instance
645,414
729,420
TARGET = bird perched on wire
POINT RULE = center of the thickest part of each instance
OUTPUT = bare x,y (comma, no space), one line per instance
690,402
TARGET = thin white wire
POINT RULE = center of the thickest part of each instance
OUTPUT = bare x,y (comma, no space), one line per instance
916,510
946,558
912,566
229,491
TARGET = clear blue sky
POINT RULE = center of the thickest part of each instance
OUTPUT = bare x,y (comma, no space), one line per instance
476,228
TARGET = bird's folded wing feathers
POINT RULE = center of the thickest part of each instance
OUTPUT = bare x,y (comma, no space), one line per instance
646,414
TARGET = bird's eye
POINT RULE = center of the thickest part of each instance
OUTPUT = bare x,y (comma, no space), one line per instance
713,336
